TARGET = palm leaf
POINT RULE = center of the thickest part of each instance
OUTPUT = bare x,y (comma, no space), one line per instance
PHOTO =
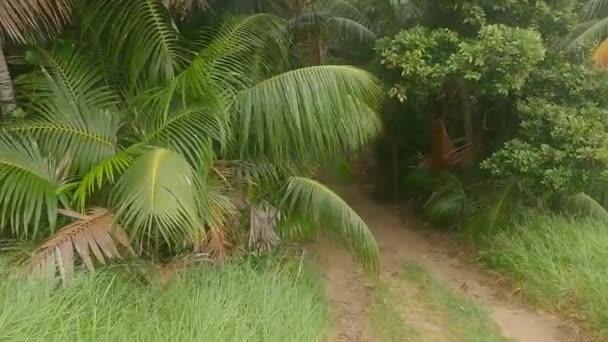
73,114
29,185
189,131
582,203
22,21
314,112
141,36
345,9
90,236
596,9
490,217
229,57
594,31
326,209
106,172
156,198
350,30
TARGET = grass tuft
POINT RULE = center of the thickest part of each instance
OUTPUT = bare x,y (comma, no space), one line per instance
271,301
559,262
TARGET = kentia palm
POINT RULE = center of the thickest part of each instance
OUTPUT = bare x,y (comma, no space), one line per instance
176,143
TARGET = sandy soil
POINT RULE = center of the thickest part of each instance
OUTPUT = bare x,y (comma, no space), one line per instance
401,241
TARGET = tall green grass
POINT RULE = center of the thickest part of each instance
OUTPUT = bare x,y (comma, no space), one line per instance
246,302
559,262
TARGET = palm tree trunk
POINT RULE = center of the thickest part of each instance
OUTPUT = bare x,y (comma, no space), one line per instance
7,94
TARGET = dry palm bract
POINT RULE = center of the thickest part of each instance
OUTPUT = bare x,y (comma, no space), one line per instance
93,236
185,141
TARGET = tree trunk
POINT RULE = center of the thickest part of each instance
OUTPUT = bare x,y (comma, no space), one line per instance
7,94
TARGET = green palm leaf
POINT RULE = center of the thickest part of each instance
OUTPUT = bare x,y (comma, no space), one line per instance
312,112
73,113
141,36
596,9
229,57
592,31
350,30
156,198
582,203
29,185
189,131
106,172
345,9
326,209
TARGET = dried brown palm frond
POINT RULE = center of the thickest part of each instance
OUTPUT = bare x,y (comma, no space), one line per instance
92,235
262,228
21,20
217,244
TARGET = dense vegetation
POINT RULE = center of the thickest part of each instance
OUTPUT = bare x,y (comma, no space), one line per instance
168,131
245,302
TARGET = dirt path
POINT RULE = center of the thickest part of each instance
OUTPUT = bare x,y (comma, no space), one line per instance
350,293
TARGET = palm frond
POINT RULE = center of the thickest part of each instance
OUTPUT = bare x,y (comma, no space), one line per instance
592,32
106,172
73,113
345,9
263,220
156,198
91,236
141,36
227,61
595,9
190,131
582,203
350,30
22,21
314,111
328,211
69,72
490,217
29,185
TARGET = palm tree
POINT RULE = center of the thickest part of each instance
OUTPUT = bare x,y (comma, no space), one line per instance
23,22
593,30
322,30
179,143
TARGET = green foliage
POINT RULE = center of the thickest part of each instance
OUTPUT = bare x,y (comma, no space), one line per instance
322,207
421,57
499,60
266,300
559,149
569,84
174,135
556,261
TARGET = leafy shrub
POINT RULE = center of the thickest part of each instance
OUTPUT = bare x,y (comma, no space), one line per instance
559,148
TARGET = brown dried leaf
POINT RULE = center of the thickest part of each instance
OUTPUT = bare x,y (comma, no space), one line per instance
22,20
88,236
